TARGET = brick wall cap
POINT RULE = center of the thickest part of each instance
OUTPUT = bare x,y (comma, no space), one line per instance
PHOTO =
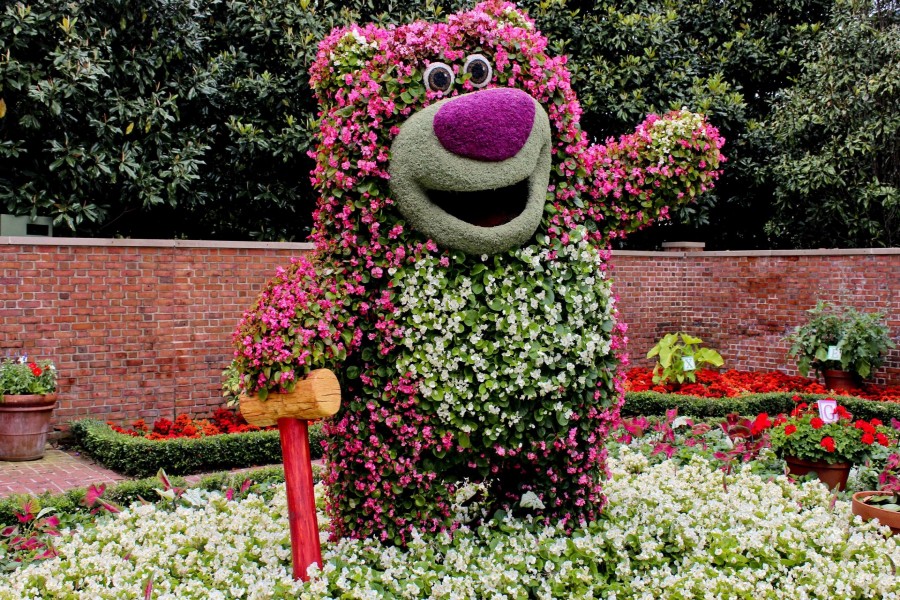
129,243
699,245
763,253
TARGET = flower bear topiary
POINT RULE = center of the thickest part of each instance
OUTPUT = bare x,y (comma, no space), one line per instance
460,284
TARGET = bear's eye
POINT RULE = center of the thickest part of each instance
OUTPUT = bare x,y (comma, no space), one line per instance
438,77
479,69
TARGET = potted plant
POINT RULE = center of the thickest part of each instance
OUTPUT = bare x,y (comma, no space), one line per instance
808,444
679,359
884,503
842,343
27,400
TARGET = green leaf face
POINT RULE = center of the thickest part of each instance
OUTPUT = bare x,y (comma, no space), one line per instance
423,170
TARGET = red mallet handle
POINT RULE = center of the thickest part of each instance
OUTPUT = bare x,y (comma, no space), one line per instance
315,397
301,501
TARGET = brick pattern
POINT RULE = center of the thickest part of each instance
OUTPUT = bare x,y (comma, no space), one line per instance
143,329
56,472
743,304
136,332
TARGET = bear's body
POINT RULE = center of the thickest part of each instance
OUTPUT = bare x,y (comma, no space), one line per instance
459,286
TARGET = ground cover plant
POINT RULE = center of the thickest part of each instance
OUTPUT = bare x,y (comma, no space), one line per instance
734,384
223,421
677,525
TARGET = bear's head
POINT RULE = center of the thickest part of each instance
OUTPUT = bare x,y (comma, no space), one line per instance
466,133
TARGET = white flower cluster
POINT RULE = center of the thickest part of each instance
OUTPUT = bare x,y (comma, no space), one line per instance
520,326
353,43
666,133
669,532
216,550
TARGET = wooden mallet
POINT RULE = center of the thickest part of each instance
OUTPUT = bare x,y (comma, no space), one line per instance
316,397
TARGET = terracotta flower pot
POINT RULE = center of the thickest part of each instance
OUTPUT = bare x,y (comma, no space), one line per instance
834,475
839,381
24,425
869,512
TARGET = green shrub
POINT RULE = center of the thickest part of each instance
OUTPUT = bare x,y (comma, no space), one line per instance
673,353
654,403
863,339
140,457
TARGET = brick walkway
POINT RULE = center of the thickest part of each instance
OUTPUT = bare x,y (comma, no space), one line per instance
60,470
57,472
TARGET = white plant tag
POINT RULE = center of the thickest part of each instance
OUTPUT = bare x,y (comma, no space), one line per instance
687,363
827,410
834,353
530,500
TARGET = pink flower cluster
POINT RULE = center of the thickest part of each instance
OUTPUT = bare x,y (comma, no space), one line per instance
295,325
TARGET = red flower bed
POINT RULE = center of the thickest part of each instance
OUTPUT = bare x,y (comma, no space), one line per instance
222,422
712,384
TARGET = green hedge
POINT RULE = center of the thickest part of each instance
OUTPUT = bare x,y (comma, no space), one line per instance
140,457
654,403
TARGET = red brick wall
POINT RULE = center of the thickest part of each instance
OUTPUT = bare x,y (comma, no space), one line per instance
136,328
744,303
143,328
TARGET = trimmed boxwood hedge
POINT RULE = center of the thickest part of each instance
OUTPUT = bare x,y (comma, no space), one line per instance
655,403
140,457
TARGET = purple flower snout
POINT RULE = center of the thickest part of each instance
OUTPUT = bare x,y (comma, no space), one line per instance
489,125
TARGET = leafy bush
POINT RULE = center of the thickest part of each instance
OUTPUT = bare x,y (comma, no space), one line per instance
835,135
862,339
22,377
140,457
679,361
120,114
806,436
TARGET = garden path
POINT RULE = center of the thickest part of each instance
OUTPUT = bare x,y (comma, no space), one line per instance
61,470
56,472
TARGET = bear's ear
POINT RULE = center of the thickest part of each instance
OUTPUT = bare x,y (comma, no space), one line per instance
504,13
344,51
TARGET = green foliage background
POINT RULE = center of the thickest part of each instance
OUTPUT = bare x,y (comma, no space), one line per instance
191,118
835,135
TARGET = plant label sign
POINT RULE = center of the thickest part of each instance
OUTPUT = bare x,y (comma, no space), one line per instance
834,353
827,410
687,363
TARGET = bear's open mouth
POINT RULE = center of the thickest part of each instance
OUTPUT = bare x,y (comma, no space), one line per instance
483,208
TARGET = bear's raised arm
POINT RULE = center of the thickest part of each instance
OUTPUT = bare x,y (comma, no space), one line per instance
666,162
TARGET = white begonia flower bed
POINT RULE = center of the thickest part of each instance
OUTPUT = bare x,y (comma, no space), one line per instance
668,532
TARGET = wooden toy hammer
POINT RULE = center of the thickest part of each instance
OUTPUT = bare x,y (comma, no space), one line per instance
316,397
